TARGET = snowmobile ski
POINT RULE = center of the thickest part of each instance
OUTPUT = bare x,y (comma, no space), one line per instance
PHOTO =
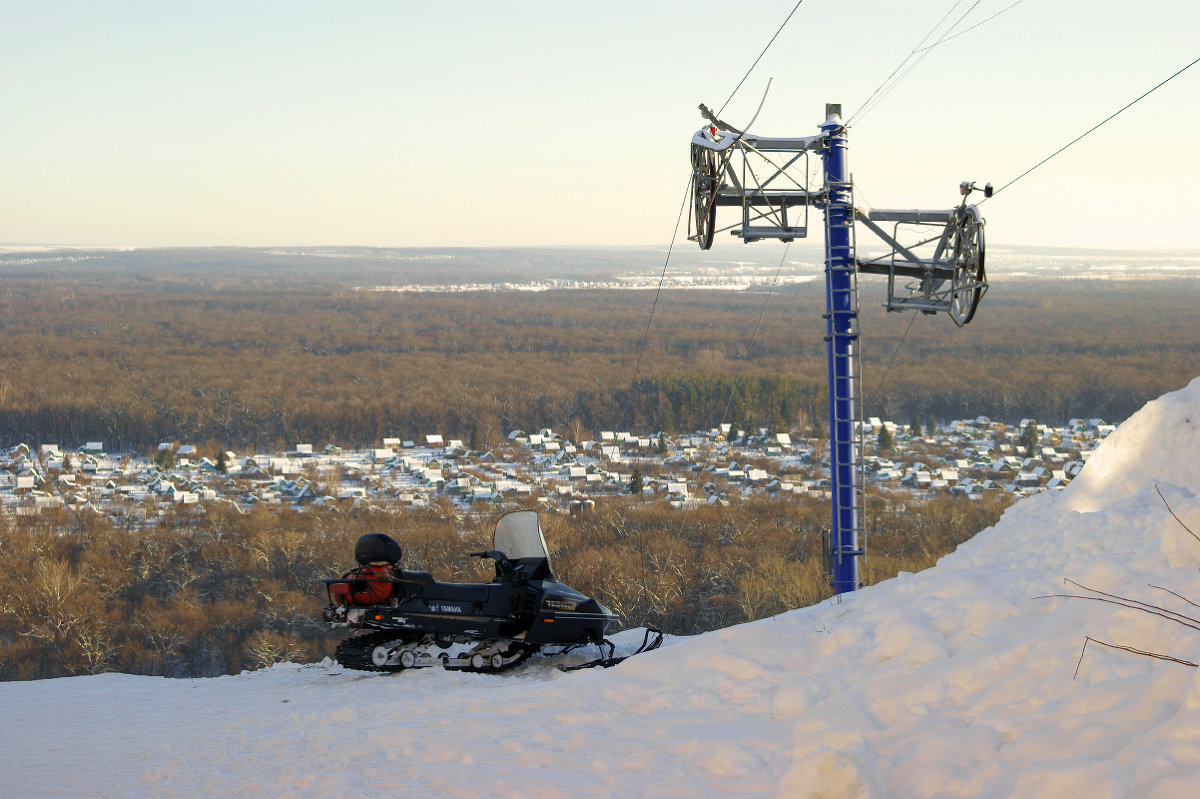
648,645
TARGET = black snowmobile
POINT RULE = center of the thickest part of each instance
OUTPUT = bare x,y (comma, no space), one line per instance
406,615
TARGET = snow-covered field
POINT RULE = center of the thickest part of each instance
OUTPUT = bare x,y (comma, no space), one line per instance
954,682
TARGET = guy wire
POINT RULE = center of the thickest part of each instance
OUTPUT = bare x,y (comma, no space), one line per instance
761,313
646,335
896,352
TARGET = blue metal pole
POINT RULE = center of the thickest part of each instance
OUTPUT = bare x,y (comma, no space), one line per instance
841,301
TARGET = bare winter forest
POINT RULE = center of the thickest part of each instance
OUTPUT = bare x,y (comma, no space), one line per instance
248,348
203,595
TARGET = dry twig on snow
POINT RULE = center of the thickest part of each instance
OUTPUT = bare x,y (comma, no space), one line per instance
1181,524
1127,649
1132,604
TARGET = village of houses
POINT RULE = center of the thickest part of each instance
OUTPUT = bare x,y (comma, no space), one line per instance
967,457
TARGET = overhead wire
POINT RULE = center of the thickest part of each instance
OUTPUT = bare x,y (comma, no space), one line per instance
924,53
1095,127
903,61
973,27
876,98
760,55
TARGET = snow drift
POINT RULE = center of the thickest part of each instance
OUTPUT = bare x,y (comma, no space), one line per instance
957,681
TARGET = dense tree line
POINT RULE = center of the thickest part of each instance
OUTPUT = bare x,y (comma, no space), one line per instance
704,401
247,352
218,592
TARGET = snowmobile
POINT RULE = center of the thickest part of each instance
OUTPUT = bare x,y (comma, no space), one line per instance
405,617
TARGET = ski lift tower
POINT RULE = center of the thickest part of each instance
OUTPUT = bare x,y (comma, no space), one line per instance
941,270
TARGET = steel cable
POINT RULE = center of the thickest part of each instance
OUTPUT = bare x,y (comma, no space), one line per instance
760,55
1093,128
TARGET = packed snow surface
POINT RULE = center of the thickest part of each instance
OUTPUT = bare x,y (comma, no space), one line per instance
958,681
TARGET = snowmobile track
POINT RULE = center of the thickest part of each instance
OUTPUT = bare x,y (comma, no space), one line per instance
355,653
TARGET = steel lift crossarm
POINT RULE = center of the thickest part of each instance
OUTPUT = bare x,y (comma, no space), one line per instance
951,279
916,266
760,197
719,141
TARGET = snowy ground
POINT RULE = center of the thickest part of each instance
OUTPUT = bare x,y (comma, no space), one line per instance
954,682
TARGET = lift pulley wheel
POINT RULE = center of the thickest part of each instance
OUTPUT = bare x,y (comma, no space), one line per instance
705,182
970,279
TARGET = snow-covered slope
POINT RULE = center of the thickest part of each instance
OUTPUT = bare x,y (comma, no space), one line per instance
957,681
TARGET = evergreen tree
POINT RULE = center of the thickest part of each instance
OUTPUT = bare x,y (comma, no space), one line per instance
884,441
473,443
1029,439
222,463
914,429
165,459
636,484
662,444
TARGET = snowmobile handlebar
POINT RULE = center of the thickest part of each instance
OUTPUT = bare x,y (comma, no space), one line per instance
503,565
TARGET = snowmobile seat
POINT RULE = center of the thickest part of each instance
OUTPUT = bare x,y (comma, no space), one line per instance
422,584
415,583
465,592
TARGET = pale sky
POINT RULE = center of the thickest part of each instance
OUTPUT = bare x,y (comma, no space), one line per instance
514,122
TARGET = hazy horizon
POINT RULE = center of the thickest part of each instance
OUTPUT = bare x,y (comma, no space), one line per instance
539,123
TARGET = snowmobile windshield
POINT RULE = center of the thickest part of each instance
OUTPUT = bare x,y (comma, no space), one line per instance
518,535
